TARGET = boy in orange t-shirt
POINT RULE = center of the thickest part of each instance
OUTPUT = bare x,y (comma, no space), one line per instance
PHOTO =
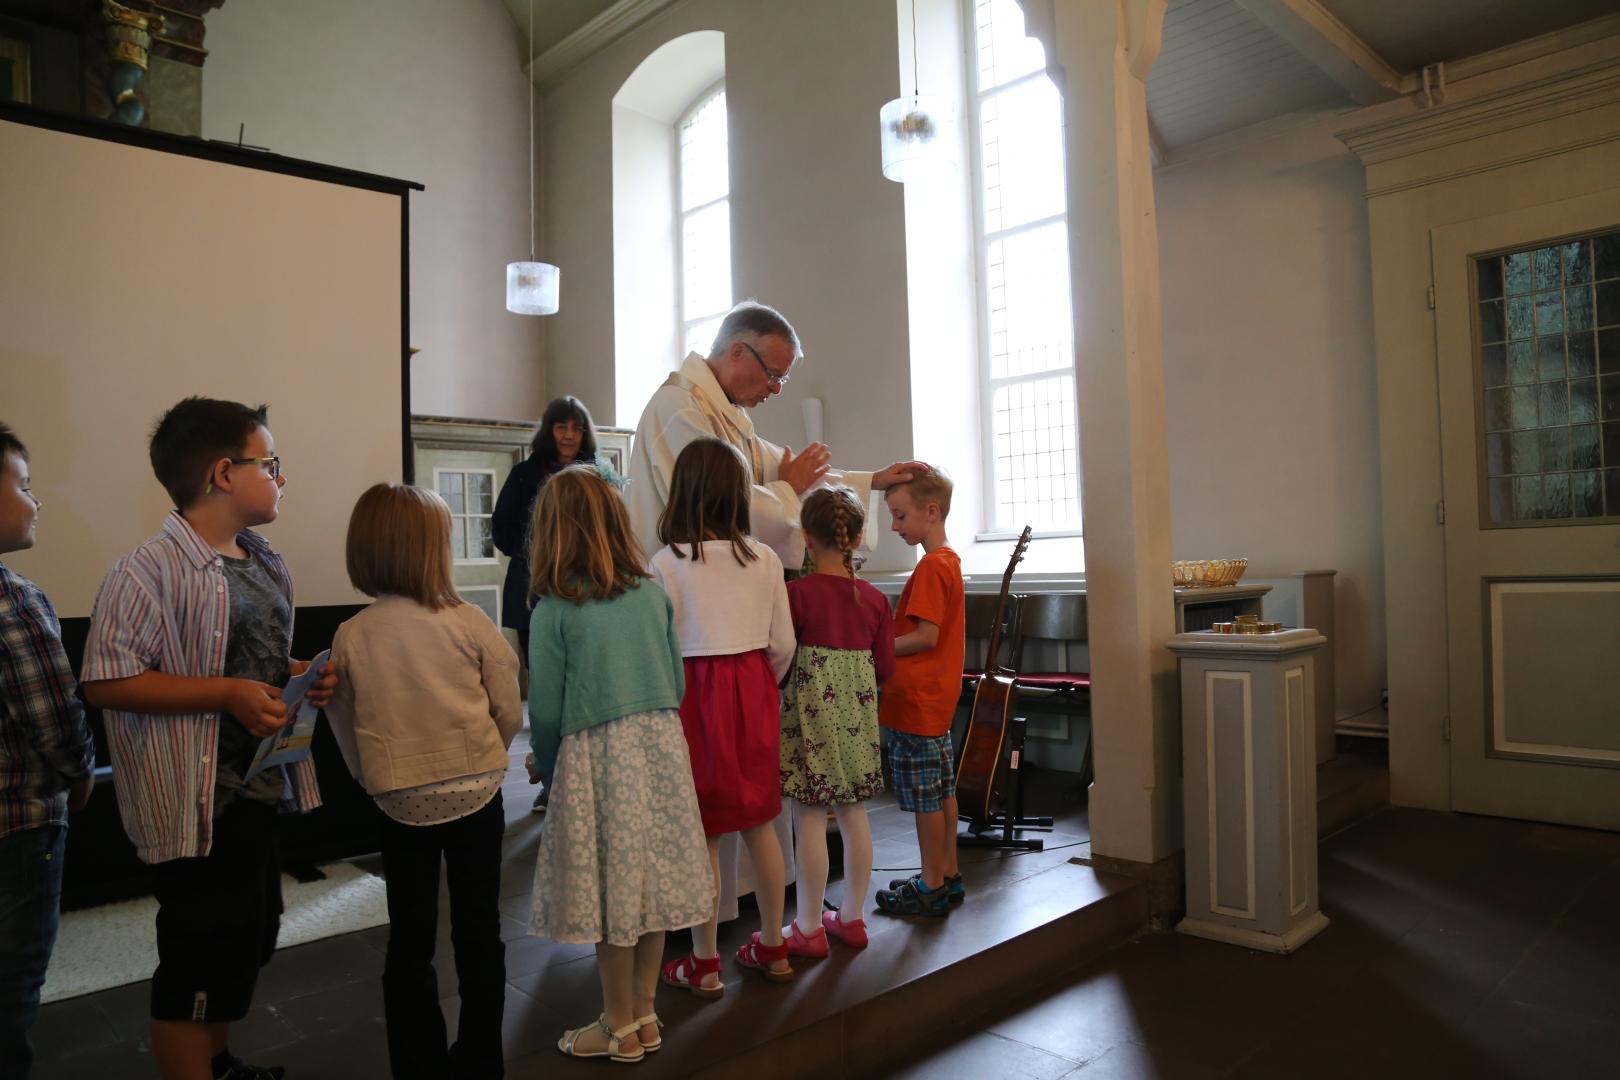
920,698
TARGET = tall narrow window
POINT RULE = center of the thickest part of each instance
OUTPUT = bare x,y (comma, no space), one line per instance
705,221
1032,455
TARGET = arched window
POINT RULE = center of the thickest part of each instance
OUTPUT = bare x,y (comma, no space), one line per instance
705,220
671,214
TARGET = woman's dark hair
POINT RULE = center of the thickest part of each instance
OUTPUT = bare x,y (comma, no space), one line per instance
561,410
708,500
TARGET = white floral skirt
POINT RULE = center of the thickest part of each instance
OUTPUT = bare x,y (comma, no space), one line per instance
622,852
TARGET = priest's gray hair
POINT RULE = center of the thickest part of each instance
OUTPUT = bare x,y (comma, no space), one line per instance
749,321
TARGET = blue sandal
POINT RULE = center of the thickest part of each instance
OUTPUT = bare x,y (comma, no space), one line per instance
953,886
914,898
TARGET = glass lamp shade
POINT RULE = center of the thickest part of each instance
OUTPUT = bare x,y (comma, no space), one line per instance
919,137
531,288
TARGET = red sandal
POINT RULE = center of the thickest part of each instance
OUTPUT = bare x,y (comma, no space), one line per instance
760,957
801,944
852,933
687,974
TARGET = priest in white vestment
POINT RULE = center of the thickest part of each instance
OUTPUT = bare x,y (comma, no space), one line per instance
753,355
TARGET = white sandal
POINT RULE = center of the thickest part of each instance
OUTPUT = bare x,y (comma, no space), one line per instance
567,1044
651,1018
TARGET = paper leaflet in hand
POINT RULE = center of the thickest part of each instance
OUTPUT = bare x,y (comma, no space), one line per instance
291,743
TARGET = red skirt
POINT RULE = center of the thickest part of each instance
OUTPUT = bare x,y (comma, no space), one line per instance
734,731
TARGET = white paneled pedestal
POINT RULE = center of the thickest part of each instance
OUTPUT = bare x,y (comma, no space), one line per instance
1249,769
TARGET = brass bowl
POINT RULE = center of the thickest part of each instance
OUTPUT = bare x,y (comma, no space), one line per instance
1207,573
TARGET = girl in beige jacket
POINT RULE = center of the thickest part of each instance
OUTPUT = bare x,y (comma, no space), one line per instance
429,706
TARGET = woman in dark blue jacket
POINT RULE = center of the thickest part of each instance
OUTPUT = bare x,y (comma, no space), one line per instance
564,436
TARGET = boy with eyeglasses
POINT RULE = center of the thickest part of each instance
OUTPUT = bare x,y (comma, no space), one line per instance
189,647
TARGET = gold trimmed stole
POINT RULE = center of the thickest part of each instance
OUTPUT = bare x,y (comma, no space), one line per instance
724,425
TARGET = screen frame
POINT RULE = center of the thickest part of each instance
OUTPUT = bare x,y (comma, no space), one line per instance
248,157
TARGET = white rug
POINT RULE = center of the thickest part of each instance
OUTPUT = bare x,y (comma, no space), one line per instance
114,945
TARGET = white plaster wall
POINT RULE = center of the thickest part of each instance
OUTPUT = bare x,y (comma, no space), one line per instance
407,88
816,229
1271,384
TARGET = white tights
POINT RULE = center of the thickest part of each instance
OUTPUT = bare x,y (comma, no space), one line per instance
810,845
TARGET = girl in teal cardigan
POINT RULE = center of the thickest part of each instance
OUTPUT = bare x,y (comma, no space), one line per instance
623,858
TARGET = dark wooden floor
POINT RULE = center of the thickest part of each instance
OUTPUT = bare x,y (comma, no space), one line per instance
1459,947
318,1009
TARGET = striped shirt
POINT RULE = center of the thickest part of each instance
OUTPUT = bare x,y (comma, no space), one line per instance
45,745
164,607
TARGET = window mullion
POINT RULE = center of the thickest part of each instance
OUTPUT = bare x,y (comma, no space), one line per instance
706,316
996,382
1026,227
1002,88
704,206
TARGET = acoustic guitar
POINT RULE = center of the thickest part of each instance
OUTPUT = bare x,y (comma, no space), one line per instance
980,771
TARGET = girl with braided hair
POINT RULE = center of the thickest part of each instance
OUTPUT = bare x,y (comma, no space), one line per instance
829,751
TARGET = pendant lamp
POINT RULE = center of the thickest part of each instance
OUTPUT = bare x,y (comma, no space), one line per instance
918,132
531,286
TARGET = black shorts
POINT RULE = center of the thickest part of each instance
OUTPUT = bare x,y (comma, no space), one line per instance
218,917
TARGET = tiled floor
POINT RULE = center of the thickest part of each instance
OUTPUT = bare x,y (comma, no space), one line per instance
1459,947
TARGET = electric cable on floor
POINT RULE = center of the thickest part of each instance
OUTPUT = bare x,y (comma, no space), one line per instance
989,858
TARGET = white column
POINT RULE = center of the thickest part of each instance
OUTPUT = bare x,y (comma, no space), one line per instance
1098,52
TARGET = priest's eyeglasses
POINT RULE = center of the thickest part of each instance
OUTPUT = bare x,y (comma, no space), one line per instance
770,376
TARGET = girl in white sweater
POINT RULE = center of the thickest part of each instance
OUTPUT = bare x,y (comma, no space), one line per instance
736,635
427,707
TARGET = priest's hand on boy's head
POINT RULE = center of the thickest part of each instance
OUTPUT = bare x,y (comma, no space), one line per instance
898,473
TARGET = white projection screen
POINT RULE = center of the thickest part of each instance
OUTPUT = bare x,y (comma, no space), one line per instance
138,269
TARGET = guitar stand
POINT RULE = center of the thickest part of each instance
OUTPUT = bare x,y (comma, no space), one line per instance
979,834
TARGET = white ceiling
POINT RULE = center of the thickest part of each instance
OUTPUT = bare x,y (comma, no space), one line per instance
1225,65
1228,64
1221,69
1411,33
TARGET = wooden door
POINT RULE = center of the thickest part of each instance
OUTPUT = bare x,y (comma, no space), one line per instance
1527,308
